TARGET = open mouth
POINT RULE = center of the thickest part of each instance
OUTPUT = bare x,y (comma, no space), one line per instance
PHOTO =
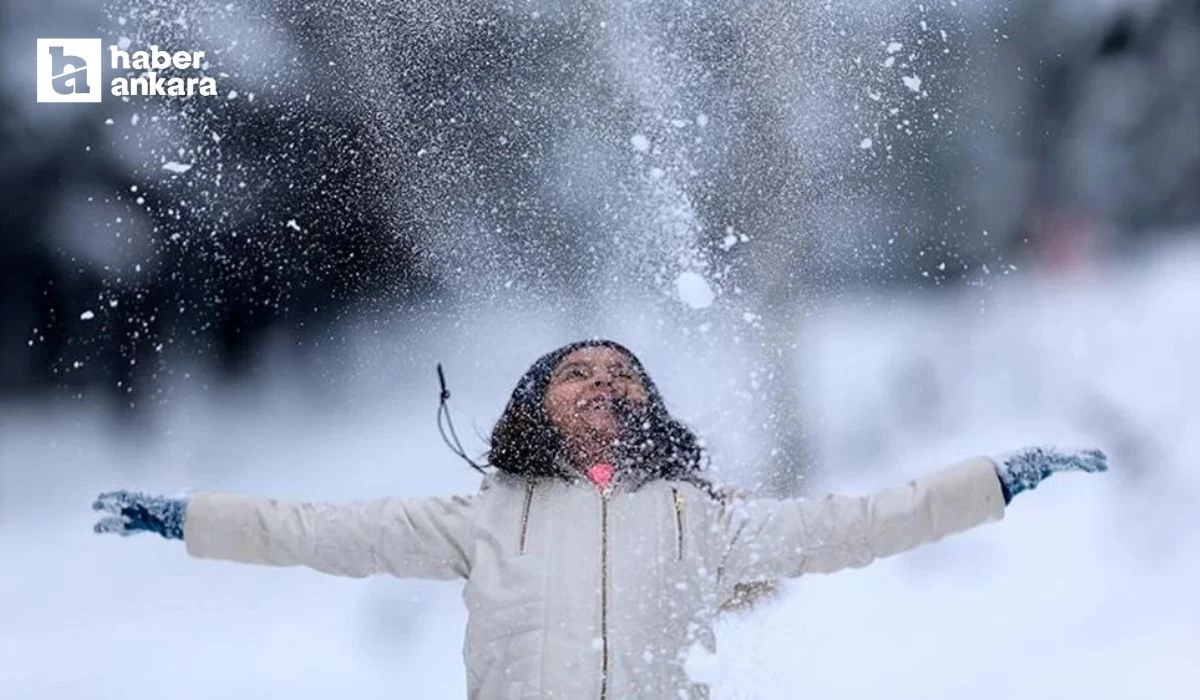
597,403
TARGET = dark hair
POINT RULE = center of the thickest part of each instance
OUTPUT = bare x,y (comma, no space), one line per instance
524,443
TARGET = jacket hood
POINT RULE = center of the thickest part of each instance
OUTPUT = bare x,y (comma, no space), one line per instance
525,444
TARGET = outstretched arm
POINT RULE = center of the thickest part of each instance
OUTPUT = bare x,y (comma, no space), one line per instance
774,538
419,538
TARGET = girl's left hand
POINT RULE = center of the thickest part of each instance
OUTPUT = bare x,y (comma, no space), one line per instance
1021,470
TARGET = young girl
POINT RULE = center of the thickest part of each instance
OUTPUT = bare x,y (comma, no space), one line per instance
596,553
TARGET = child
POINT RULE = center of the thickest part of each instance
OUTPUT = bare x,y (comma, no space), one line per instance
596,553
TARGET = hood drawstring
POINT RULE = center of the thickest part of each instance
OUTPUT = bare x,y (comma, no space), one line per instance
444,414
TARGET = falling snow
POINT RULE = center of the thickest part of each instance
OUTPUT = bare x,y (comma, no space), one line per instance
658,171
694,290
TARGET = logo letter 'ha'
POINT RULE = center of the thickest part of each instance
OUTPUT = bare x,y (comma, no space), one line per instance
69,73
69,70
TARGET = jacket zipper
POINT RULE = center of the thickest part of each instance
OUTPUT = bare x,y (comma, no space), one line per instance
604,596
525,516
678,499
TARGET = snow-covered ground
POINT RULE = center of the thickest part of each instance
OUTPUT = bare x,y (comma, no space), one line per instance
1089,588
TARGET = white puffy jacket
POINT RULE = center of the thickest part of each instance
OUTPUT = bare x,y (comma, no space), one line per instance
575,594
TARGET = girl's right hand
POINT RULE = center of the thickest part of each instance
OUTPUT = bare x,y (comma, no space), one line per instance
133,512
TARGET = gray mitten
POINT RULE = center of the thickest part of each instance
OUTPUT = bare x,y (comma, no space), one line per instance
1021,470
134,512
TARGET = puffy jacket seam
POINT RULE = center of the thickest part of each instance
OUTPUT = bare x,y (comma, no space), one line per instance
469,547
734,543
865,538
546,570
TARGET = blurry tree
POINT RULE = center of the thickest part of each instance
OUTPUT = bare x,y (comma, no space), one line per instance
1097,121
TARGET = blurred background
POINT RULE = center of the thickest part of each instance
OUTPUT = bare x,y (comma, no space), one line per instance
852,242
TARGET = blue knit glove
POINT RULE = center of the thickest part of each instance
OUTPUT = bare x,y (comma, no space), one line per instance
134,512
1021,470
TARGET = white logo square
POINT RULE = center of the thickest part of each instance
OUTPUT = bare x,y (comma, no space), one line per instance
70,70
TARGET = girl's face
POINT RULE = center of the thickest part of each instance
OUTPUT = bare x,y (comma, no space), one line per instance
584,389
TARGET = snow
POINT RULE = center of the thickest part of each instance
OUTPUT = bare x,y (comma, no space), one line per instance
702,666
912,82
1082,588
640,143
176,167
694,290
1086,589
87,316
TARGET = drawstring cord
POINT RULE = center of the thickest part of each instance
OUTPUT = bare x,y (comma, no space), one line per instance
451,439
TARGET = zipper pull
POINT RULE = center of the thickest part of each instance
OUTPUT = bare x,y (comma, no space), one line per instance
678,497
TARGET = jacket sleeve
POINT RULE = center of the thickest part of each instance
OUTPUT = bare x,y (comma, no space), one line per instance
418,538
773,538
